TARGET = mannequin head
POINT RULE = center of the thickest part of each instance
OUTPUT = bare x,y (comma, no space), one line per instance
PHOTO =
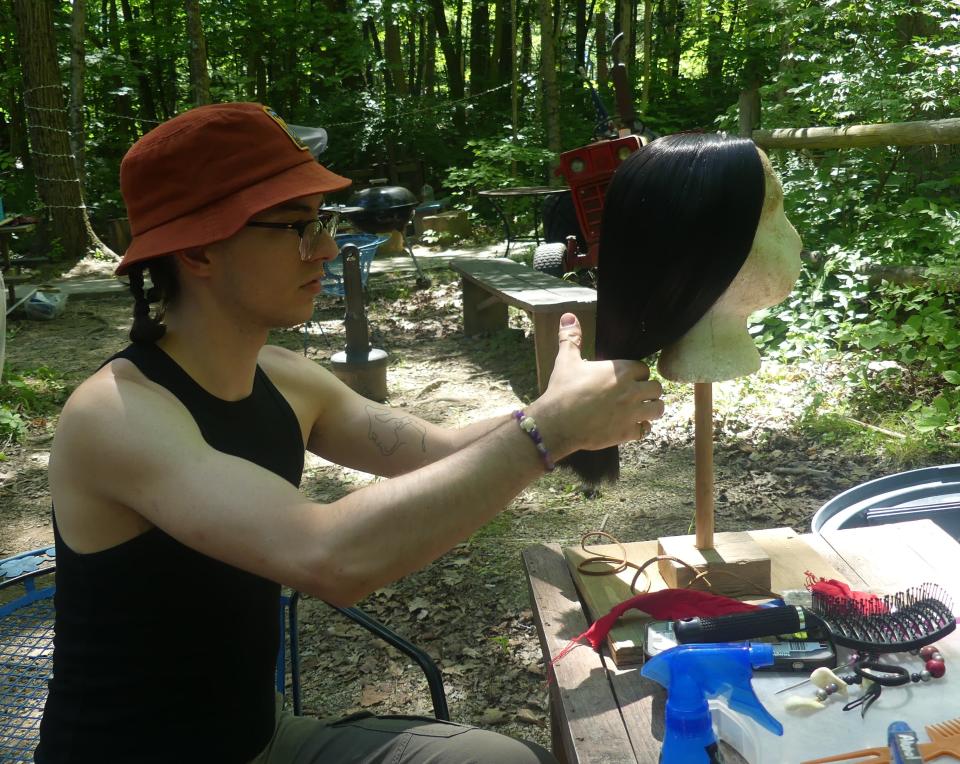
693,240
679,220
718,346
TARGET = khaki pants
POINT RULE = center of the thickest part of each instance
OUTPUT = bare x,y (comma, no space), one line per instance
367,739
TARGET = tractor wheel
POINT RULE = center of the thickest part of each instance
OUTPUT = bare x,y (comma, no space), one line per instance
560,220
548,258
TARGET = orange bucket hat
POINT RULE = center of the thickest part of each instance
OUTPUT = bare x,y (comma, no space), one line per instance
199,177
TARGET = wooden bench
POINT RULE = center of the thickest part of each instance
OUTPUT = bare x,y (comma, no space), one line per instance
490,285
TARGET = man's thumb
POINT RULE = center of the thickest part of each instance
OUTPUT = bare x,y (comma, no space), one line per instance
571,336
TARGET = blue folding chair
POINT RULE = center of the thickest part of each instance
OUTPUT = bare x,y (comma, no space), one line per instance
26,649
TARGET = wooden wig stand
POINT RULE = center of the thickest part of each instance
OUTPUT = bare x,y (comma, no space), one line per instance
735,564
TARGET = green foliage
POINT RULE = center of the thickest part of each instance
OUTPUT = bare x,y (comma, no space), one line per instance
27,395
499,163
861,210
915,334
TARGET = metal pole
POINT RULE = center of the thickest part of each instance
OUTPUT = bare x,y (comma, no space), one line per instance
355,320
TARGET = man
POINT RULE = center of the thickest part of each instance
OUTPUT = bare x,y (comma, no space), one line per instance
175,468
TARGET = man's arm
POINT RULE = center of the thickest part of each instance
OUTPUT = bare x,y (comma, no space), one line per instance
355,432
128,443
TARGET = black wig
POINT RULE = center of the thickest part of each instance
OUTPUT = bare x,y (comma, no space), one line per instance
679,220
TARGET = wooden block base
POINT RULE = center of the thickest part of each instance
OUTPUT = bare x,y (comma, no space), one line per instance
737,566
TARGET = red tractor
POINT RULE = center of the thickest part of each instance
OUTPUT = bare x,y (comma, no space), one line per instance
587,171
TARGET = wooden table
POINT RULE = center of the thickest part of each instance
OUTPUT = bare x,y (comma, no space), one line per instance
498,196
604,715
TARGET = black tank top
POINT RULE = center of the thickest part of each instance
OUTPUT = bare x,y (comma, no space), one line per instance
163,654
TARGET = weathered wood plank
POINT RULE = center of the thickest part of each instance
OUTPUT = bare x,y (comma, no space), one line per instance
524,287
591,728
891,558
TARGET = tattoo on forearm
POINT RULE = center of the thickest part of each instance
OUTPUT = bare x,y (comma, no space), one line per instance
389,431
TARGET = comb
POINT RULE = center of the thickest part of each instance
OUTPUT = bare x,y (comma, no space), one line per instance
944,741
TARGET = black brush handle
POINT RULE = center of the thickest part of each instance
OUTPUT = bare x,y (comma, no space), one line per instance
764,622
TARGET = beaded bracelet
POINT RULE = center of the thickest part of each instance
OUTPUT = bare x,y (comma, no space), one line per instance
529,426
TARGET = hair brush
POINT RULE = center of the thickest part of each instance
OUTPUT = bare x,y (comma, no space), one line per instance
893,623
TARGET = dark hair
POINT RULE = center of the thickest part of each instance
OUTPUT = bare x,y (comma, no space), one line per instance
164,290
679,219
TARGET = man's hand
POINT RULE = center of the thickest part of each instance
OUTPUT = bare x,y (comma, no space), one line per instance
594,404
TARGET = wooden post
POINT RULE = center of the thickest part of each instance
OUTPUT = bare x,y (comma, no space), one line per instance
749,112
734,552
703,449
942,131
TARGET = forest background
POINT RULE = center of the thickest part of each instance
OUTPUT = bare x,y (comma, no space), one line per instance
486,93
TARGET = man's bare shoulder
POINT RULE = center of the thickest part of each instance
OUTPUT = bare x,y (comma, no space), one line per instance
293,371
116,434
112,389
118,410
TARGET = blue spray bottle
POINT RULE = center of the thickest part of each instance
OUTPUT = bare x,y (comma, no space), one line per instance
693,673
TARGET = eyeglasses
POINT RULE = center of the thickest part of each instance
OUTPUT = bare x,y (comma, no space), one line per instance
309,231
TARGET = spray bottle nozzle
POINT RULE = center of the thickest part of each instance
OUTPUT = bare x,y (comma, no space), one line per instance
692,674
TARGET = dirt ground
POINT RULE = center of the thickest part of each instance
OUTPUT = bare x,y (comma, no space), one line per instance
470,608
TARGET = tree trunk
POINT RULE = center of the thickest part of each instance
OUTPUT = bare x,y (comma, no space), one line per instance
124,123
716,48
148,107
78,64
370,30
414,52
548,76
418,54
648,68
526,39
458,36
603,65
167,103
197,55
503,42
934,131
514,82
430,60
19,146
480,46
392,51
626,17
451,58
56,172
580,25
674,33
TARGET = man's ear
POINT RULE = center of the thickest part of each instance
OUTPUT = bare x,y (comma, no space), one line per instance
194,261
